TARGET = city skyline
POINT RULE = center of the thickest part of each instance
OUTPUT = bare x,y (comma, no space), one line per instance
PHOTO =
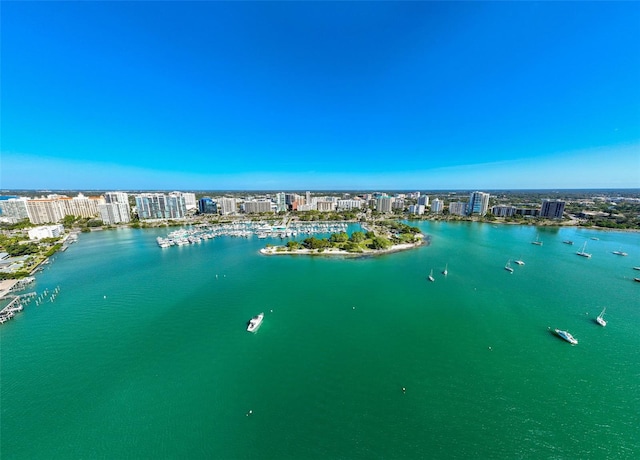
320,96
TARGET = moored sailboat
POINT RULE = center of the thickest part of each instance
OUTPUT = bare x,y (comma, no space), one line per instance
600,319
582,252
431,278
507,267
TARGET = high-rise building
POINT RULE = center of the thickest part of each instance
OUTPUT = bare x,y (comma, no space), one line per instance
160,206
119,212
423,200
458,208
325,206
552,209
227,206
416,209
80,206
206,205
14,209
116,197
437,205
189,199
281,202
478,203
383,204
44,211
256,206
114,213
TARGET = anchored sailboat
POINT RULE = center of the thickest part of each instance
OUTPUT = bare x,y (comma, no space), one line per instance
508,266
600,319
431,278
582,252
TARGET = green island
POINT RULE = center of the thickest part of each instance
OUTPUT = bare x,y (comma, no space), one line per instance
378,238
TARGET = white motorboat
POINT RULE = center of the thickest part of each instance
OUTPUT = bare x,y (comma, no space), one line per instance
566,336
255,322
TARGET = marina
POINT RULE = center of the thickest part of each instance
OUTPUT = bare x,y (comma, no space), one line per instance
246,229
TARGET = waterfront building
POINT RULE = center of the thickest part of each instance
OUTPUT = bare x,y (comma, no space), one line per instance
114,213
348,204
14,209
44,211
458,208
325,206
306,207
189,199
503,211
227,206
478,203
81,206
423,200
257,206
397,203
116,197
552,209
417,209
530,212
383,204
207,205
281,202
47,231
437,205
160,206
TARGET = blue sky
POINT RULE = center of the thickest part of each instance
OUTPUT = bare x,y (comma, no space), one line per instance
320,95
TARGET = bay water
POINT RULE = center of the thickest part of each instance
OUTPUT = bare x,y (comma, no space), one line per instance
144,353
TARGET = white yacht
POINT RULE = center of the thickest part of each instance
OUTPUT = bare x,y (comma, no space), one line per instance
431,278
566,336
620,253
519,261
582,252
600,319
446,271
537,242
255,322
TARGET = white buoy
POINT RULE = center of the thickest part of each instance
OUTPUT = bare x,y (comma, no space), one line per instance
105,297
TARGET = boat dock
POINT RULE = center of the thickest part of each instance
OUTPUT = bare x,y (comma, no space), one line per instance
11,309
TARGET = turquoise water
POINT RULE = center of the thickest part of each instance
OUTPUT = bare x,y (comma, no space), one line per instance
144,352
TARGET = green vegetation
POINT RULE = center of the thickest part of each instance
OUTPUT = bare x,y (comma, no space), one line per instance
20,225
388,234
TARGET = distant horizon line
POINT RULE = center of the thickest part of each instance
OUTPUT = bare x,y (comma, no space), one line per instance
411,190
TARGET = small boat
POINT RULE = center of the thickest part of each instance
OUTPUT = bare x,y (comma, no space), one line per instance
508,267
595,239
582,252
519,262
566,336
568,242
431,278
537,242
255,322
600,319
637,279
446,272
636,268
620,253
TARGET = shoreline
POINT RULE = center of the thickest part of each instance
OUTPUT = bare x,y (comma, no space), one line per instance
273,251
